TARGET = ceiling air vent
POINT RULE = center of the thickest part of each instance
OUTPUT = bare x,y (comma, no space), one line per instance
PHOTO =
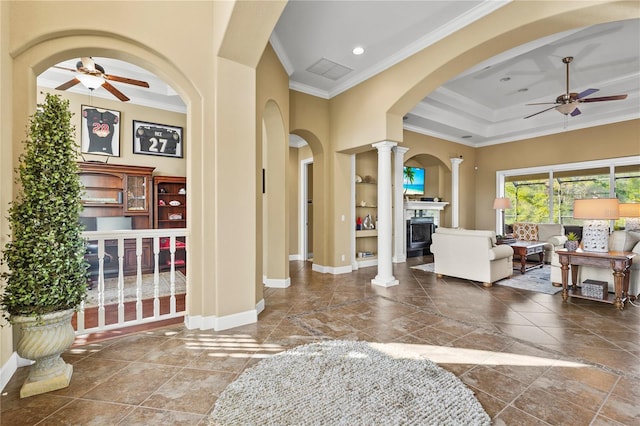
329,69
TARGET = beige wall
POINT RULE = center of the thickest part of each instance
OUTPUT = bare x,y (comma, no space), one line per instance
219,87
272,154
165,166
6,155
309,119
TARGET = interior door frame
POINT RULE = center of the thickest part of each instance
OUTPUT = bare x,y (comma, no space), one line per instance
304,206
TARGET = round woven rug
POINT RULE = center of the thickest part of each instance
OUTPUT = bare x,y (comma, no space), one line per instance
347,383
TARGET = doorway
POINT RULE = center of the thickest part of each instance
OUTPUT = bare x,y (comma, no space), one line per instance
306,216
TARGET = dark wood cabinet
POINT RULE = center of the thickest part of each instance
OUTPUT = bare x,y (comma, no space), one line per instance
118,197
117,190
170,211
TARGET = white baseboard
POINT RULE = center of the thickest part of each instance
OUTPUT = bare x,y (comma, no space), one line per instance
334,270
260,306
7,371
277,283
296,257
221,323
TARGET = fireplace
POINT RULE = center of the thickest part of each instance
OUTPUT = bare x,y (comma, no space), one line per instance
419,231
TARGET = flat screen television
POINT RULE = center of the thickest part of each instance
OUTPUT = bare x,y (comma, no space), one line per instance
417,186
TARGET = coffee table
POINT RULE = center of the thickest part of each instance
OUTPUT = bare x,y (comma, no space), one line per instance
527,248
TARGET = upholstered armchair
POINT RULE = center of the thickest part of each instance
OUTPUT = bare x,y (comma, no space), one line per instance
551,234
471,255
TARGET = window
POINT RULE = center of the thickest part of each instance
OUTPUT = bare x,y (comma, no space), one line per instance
546,194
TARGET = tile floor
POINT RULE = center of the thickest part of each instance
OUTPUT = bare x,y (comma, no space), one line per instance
530,358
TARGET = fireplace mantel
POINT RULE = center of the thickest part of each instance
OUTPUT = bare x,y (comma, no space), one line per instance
433,209
424,205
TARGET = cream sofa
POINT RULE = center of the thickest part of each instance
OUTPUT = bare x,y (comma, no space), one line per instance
618,241
471,255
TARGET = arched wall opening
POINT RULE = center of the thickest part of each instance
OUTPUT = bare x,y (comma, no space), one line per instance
52,49
275,210
316,210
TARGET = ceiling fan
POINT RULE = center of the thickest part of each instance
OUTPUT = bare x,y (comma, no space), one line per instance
568,103
92,76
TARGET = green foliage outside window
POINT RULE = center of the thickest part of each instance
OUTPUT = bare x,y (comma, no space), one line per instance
530,197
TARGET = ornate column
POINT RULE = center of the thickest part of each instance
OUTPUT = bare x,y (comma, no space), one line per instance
385,276
399,222
455,193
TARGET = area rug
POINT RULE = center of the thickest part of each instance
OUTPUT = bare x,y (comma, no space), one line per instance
538,279
130,288
347,383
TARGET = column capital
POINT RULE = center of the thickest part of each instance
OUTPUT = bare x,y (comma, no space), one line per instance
400,149
456,160
384,145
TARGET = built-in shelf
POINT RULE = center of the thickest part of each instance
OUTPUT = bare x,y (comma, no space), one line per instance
364,262
367,233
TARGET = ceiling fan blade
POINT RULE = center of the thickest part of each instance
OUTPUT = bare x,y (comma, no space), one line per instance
575,112
586,93
115,92
540,112
126,80
543,103
65,69
605,98
68,84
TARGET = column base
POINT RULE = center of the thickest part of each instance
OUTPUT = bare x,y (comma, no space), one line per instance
385,281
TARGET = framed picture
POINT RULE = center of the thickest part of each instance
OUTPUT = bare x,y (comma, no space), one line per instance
100,131
157,139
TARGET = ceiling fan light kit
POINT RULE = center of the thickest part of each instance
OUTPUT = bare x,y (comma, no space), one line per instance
89,81
93,75
568,102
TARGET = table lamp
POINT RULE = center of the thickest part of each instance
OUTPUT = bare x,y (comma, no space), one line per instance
631,214
596,212
502,203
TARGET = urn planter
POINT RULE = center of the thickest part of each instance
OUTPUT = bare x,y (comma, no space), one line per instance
42,340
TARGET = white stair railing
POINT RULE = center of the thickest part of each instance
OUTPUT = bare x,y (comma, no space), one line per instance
146,274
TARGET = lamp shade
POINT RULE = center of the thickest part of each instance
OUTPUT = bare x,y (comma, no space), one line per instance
502,203
629,209
596,208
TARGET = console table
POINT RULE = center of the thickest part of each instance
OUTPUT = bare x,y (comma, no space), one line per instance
618,261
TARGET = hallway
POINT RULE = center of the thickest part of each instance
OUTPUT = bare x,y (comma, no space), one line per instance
172,375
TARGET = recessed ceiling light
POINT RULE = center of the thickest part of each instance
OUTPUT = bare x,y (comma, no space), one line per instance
524,89
505,79
358,50
467,137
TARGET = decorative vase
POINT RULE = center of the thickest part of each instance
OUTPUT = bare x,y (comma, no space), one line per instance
571,245
43,340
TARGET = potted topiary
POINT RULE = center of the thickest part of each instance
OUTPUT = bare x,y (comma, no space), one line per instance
572,241
46,277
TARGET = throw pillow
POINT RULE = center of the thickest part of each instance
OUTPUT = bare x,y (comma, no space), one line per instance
623,240
525,231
